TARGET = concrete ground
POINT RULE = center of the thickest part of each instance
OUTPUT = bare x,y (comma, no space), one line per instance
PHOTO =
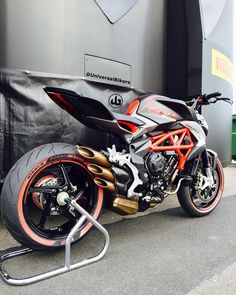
160,252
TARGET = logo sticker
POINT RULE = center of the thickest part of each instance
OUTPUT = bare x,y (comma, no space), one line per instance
222,66
115,9
115,101
103,70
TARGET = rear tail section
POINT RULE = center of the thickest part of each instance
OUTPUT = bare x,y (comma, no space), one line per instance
77,105
93,113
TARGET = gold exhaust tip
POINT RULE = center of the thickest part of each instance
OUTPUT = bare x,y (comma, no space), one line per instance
105,184
95,169
85,152
94,156
102,172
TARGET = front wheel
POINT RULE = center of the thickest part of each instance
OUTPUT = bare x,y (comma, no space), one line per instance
200,202
30,202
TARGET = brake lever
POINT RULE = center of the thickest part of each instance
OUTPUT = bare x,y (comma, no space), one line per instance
226,99
230,101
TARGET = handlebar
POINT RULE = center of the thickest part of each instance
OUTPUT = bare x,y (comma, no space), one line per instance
197,101
212,95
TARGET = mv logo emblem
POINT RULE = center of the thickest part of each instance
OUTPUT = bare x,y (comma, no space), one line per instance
115,9
115,101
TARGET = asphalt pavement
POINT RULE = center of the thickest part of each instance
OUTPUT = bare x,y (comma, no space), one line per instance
160,252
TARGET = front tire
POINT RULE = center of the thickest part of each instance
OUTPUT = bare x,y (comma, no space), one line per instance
30,209
188,198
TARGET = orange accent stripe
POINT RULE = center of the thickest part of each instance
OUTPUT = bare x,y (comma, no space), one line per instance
127,125
132,107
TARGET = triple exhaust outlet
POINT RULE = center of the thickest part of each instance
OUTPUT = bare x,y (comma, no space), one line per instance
101,168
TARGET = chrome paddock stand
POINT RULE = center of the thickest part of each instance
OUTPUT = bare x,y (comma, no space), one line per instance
68,266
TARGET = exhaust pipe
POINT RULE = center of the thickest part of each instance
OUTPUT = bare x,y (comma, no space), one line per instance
108,185
94,156
101,172
124,206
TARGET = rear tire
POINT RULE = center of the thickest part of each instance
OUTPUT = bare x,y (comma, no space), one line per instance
23,210
187,197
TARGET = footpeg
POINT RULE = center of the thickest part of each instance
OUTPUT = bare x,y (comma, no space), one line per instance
152,199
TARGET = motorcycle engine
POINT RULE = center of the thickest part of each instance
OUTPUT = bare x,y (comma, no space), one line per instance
156,164
161,168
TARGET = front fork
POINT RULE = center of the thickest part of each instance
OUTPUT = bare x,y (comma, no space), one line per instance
208,166
209,160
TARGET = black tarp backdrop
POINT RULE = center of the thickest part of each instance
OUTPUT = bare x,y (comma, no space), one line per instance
29,118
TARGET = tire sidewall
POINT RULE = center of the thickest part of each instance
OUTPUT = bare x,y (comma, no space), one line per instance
13,193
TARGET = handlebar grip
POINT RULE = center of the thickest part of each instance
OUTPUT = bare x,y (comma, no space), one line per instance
211,95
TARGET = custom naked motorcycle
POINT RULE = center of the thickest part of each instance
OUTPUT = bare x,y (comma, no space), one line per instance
162,151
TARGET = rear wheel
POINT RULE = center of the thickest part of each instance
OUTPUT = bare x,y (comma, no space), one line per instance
200,202
30,205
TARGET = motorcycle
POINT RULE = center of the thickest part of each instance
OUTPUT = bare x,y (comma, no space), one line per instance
161,151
